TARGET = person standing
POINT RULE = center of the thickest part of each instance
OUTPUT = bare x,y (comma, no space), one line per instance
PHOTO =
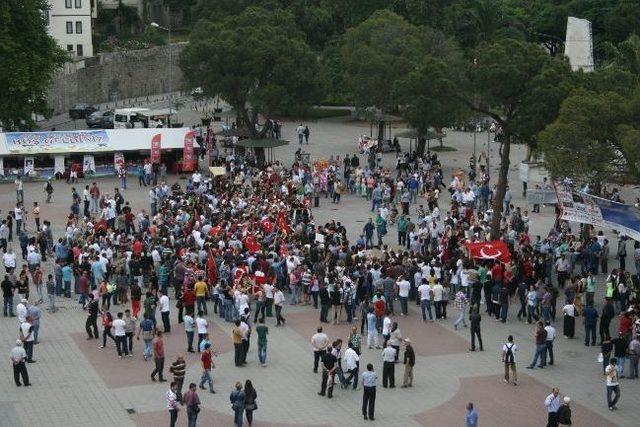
319,342
91,325
158,357
613,386
329,363
27,337
118,326
509,358
352,364
172,404
540,335
192,402
551,335
129,330
206,362
262,331
569,325
163,301
369,382
278,301
471,419
590,321
146,329
250,397
388,367
552,402
237,343
201,325
409,362
460,302
474,320
634,353
7,295
51,294
403,286
564,413
188,329
178,369
237,398
605,318
18,357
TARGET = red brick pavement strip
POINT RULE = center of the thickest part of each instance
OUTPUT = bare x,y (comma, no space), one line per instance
500,404
206,417
428,339
134,370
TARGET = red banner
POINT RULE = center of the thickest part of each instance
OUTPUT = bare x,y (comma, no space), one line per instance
187,152
252,244
155,148
283,223
490,250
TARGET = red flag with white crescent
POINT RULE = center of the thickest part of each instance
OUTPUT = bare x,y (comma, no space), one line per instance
496,249
252,244
283,223
267,225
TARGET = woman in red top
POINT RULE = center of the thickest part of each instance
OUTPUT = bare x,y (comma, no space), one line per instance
107,320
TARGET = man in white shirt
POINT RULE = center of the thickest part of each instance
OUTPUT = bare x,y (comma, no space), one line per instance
386,328
278,301
425,300
551,335
163,302
509,359
388,367
21,311
403,294
189,324
319,342
438,291
120,334
351,363
201,325
18,357
27,337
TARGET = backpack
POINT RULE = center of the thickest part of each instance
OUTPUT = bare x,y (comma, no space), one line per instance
509,355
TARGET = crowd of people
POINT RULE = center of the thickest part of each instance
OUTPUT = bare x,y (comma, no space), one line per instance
246,245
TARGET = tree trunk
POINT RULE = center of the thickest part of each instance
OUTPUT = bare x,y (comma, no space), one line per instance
501,188
381,125
422,142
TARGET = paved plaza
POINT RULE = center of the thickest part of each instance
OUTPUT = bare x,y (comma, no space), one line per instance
77,384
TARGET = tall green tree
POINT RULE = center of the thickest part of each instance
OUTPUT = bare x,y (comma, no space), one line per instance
595,138
29,58
380,51
257,61
515,83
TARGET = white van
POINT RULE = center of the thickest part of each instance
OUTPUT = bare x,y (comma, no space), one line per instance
127,118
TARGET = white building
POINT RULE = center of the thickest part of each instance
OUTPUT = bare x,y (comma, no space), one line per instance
70,24
578,45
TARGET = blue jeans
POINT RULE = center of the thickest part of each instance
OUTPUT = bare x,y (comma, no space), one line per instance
262,353
239,412
227,306
206,378
619,367
425,304
147,349
8,306
541,351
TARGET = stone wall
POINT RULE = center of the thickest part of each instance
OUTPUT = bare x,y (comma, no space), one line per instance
114,76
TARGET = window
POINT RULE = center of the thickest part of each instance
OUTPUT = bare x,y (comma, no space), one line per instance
69,27
78,27
78,4
79,50
69,48
67,4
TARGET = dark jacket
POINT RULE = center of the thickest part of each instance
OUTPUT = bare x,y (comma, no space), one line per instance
409,356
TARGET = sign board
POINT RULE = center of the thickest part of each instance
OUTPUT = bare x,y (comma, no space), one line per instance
57,142
217,170
540,196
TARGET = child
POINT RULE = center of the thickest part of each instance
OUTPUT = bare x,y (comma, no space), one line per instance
51,293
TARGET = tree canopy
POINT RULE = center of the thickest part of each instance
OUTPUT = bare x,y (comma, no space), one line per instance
29,58
258,61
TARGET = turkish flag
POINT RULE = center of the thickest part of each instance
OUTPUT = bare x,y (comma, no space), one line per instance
496,249
283,222
267,226
211,268
252,244
215,230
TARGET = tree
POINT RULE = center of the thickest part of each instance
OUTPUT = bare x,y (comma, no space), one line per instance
256,61
29,58
515,83
593,139
381,50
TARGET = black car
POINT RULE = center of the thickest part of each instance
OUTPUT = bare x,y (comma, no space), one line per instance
100,119
81,111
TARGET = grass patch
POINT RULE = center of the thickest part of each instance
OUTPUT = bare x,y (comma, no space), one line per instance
442,148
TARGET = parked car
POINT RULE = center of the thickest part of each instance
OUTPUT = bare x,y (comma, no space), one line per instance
81,111
100,119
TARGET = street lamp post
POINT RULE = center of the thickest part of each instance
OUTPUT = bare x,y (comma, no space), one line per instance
168,30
